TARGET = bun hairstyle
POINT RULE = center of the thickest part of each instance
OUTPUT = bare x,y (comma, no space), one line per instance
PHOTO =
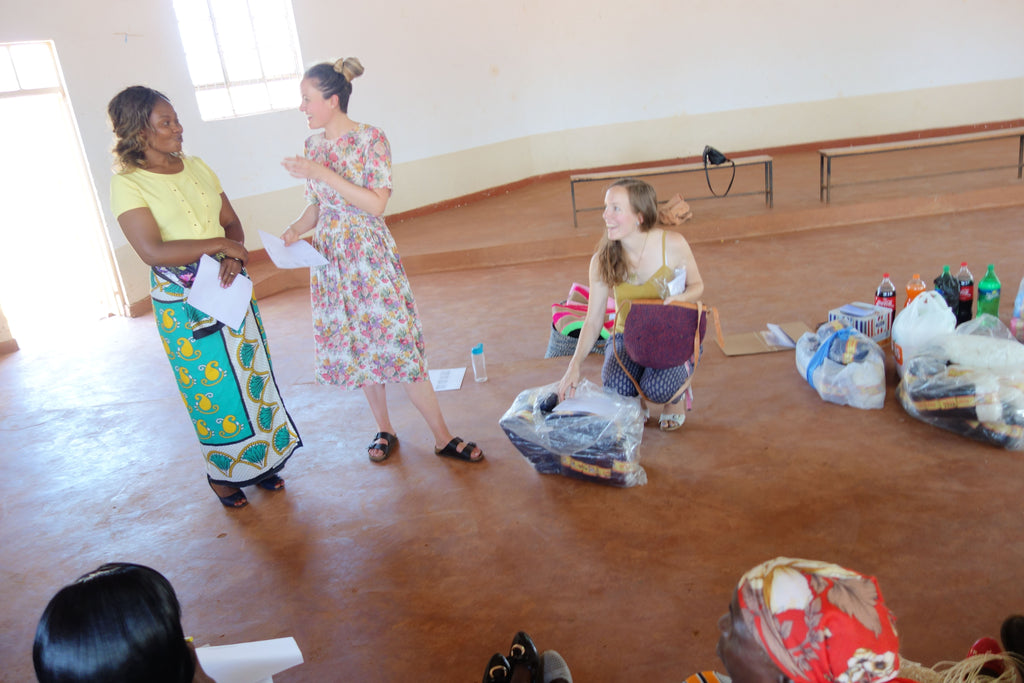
129,112
120,622
336,79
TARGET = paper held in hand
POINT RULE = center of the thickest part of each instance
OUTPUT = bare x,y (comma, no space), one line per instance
226,304
301,254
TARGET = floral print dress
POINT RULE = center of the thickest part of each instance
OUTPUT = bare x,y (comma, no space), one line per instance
365,325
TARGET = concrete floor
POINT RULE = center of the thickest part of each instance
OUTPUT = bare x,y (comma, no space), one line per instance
421,568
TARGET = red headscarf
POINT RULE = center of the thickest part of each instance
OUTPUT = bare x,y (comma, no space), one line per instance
820,623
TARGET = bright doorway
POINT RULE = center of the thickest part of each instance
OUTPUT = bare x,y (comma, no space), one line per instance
56,269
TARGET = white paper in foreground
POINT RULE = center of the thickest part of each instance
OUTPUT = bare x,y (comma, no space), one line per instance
228,305
300,254
447,379
253,662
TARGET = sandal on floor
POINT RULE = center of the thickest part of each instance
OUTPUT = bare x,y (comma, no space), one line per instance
384,449
670,423
235,500
271,483
451,450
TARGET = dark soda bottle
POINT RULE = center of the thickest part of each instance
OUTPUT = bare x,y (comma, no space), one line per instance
965,307
949,288
885,296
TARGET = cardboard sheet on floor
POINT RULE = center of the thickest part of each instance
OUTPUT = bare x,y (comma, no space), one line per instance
749,343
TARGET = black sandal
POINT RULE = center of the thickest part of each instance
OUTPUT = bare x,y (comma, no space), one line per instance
384,448
271,483
451,450
233,501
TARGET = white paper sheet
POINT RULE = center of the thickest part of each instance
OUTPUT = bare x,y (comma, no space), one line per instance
778,337
301,254
447,379
254,662
226,304
678,283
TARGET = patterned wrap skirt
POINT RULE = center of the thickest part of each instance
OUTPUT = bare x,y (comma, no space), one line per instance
227,383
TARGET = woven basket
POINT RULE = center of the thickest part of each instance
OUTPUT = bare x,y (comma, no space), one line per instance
562,345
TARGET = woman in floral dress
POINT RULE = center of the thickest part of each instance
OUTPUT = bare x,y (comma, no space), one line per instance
366,328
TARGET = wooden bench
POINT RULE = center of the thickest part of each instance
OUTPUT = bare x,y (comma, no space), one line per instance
698,167
827,155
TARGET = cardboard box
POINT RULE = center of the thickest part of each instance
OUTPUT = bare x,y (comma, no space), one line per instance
749,343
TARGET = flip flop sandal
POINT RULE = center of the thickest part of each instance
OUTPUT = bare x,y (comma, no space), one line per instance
383,448
271,483
670,423
451,450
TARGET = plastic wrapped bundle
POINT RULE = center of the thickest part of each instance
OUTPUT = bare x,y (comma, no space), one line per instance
969,384
594,436
843,365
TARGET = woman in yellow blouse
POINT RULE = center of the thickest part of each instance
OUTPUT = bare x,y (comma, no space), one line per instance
173,211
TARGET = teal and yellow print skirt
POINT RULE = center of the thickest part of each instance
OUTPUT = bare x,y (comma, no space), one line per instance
227,384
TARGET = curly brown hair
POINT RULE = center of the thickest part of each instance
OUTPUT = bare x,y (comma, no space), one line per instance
611,260
129,113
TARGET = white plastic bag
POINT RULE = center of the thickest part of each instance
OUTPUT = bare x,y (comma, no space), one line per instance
843,365
924,319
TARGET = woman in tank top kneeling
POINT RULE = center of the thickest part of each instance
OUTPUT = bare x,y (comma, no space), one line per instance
635,260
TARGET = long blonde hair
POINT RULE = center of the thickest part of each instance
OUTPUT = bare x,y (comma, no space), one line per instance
611,258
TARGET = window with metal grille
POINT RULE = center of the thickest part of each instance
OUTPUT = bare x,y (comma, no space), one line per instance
243,55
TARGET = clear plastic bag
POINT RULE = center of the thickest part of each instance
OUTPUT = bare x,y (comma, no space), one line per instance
594,436
969,384
843,365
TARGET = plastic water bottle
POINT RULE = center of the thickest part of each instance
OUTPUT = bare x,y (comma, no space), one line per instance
479,364
915,287
989,289
885,296
965,308
949,288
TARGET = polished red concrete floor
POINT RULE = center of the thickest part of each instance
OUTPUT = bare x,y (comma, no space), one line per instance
420,568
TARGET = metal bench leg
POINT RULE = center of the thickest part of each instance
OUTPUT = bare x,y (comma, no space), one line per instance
821,177
1020,157
572,191
828,182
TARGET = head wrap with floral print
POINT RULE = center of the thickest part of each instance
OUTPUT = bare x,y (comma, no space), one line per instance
820,623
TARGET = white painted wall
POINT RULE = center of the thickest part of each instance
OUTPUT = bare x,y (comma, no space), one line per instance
524,87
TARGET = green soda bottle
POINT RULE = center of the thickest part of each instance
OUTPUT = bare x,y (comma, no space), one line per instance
989,289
